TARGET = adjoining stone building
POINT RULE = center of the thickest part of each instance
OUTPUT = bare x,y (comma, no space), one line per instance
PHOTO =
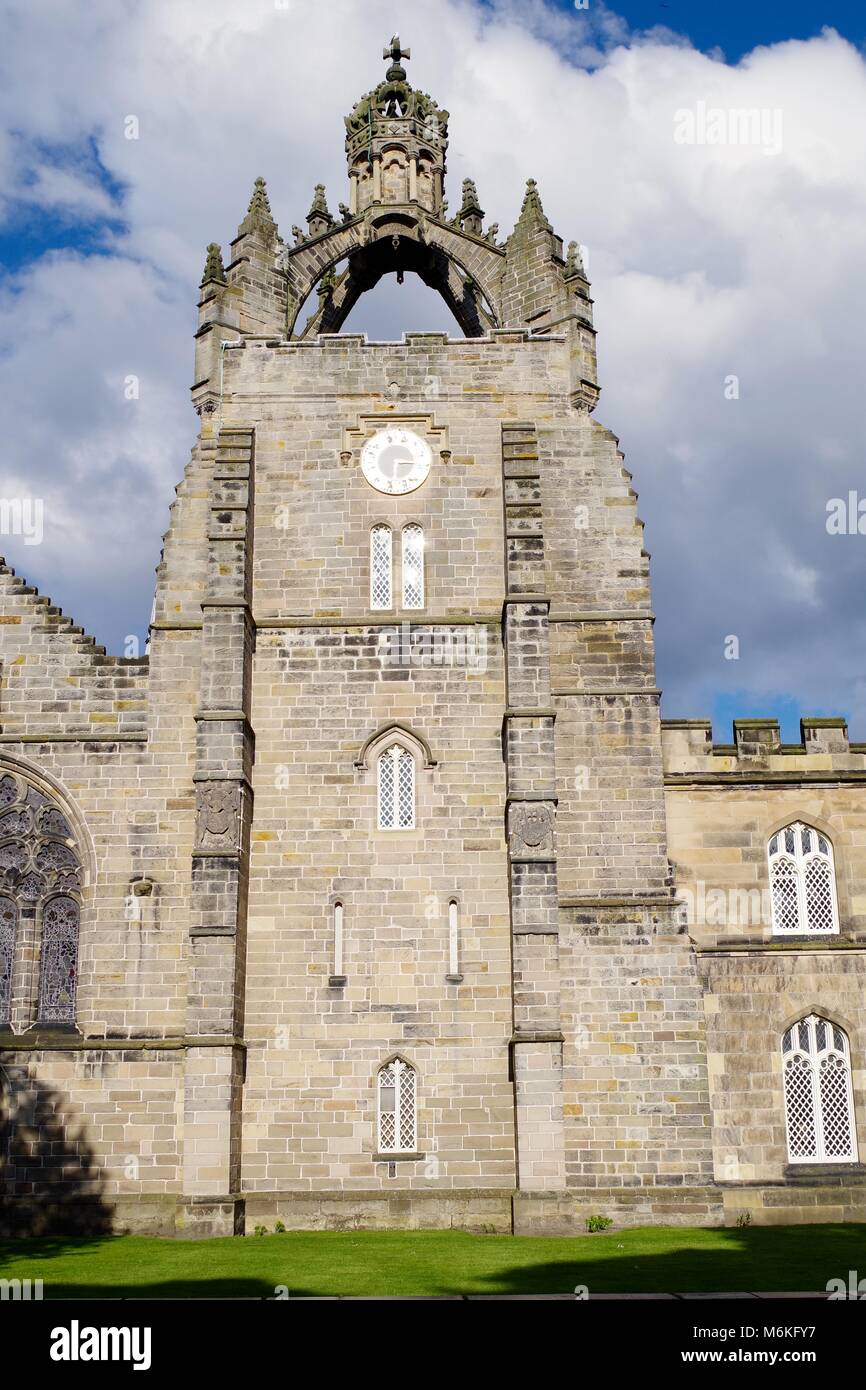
378,893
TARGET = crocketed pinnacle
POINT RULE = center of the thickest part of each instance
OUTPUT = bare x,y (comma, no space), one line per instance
319,206
532,211
214,271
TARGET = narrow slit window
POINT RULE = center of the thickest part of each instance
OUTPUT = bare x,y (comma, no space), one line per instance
338,940
453,940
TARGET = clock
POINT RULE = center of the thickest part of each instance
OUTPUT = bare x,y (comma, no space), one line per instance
396,460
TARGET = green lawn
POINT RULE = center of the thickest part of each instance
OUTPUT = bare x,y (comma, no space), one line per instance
646,1260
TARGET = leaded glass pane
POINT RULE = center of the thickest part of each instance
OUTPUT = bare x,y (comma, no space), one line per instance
836,1119
387,1102
783,883
413,567
380,567
13,855
802,881
387,799
396,789
800,1108
15,823
406,789
8,924
397,1128
408,1142
59,961
819,896
52,822
818,1107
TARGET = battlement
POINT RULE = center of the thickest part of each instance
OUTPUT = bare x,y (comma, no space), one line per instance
410,338
757,752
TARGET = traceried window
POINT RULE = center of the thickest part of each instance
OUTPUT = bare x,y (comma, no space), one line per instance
413,566
802,882
819,1105
396,788
381,568
40,887
397,1108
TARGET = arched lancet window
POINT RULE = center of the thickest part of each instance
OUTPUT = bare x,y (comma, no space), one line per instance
396,788
819,1104
397,1105
40,887
8,933
413,566
59,968
381,568
802,881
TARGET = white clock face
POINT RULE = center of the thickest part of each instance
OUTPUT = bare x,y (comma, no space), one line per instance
396,460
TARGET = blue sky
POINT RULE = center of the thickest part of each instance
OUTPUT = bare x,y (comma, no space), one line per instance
738,26
704,263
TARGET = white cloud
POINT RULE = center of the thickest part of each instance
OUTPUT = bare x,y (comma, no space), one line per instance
707,261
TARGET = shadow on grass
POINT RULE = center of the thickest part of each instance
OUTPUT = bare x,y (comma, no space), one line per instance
49,1179
761,1259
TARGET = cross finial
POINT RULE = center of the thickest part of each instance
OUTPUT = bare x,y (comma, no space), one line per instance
395,52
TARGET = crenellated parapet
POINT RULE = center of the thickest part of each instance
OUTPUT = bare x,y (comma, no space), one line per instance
757,753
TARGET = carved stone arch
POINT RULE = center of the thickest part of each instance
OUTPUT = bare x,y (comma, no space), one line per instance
55,791
814,822
825,1011
395,733
463,269
397,1057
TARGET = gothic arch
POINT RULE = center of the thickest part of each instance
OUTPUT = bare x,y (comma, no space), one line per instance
396,733
394,238
54,789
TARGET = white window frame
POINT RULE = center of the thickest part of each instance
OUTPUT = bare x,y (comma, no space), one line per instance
381,567
412,533
796,864
402,1079
811,1059
390,761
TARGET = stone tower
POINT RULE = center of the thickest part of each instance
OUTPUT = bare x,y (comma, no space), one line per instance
352,902
518,946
